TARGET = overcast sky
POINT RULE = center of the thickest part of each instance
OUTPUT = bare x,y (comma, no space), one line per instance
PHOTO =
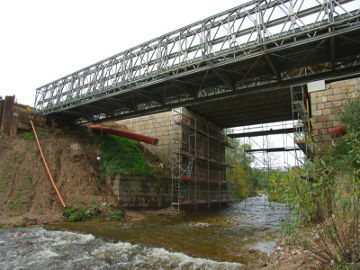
43,40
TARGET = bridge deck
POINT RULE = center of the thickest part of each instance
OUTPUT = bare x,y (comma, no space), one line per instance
249,54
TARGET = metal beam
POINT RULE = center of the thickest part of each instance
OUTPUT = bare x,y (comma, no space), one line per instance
262,133
270,150
225,78
332,53
272,67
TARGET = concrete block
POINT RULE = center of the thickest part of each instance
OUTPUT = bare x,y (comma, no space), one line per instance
355,94
317,112
333,104
316,86
336,97
321,118
326,111
333,117
317,125
337,91
337,110
327,124
343,83
328,92
323,131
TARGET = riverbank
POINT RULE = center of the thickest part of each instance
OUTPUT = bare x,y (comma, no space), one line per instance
27,196
244,236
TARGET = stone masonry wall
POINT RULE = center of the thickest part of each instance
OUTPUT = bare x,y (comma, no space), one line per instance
141,191
327,105
156,125
161,126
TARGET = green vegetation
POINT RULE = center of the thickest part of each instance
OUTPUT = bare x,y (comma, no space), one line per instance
76,214
81,214
123,156
27,135
250,181
18,203
115,215
29,177
325,197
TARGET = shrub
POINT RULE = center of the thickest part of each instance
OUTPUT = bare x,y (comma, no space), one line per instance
76,214
326,196
115,215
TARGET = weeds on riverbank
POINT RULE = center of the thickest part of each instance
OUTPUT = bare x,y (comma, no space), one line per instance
123,156
93,212
325,199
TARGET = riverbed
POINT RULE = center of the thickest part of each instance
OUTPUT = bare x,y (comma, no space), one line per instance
226,238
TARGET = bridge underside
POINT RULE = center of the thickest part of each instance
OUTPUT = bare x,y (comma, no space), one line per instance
253,90
270,106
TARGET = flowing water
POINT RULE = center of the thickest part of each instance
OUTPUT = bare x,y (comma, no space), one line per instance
217,239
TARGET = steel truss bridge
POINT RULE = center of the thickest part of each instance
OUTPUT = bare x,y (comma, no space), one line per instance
238,63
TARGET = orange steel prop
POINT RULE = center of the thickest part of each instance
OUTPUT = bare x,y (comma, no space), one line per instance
46,166
125,134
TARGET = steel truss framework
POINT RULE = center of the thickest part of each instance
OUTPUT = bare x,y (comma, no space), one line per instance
258,45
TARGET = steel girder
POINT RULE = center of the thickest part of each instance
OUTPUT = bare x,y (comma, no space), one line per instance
254,30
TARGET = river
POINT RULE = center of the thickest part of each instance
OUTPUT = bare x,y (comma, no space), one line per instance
218,239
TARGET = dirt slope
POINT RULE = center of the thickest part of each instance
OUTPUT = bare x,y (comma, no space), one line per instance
26,194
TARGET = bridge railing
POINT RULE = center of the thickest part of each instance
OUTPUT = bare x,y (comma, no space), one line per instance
223,37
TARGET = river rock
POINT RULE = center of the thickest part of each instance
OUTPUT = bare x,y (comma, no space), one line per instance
16,235
25,244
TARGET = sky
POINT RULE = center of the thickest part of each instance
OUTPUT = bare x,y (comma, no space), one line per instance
44,40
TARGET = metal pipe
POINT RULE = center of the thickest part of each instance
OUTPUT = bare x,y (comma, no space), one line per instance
125,134
46,166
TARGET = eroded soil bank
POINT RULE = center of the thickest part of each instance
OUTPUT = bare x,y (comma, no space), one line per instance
26,194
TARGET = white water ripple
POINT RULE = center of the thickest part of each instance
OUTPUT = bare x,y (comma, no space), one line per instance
68,250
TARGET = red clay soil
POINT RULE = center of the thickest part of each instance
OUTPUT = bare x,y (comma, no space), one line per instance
26,194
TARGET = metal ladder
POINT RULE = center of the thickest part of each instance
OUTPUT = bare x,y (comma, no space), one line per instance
190,166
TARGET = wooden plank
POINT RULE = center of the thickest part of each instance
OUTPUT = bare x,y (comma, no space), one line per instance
1,110
7,113
14,124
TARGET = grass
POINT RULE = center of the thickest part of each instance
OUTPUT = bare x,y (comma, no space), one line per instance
325,197
115,215
17,203
81,214
29,177
123,156
27,135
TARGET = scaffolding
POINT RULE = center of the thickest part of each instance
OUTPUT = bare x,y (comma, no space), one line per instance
198,163
292,143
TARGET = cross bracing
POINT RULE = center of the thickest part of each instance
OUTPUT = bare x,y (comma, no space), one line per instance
254,47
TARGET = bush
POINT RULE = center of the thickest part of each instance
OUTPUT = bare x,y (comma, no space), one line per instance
76,214
325,196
